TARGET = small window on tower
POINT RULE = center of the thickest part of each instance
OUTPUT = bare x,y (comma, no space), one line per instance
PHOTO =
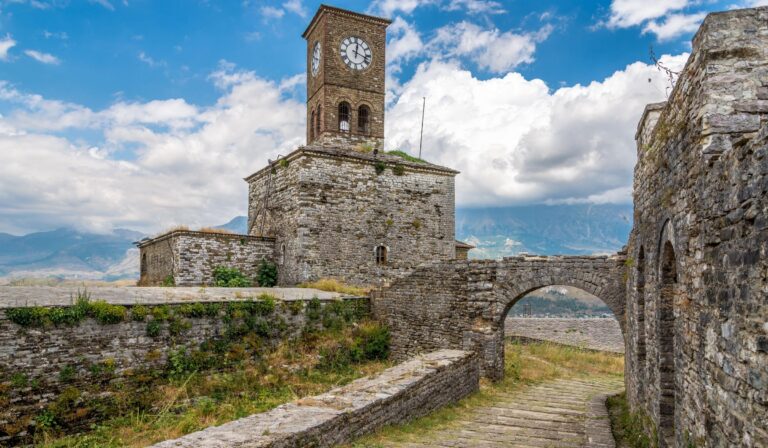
144,264
363,119
344,117
312,126
381,255
319,118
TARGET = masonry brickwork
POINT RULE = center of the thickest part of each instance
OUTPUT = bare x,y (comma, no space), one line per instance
96,353
697,311
463,304
189,258
329,209
397,395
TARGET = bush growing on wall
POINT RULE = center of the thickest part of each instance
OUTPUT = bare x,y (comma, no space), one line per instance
230,278
267,274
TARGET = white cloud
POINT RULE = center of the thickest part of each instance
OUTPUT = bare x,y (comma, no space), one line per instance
476,6
490,48
44,58
296,7
626,13
517,142
6,43
270,12
150,61
186,165
674,25
387,8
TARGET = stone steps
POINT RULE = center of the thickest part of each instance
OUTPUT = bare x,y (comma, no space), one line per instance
558,413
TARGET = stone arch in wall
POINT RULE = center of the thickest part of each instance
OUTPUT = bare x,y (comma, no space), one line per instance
668,275
639,311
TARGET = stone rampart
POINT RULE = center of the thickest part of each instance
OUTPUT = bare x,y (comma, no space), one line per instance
697,310
397,395
51,349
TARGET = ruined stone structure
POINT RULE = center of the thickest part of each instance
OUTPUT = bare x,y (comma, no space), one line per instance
186,258
463,304
690,290
340,206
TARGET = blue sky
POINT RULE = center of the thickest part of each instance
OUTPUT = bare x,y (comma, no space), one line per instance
146,114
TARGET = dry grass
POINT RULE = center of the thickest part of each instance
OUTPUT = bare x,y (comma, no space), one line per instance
201,400
525,364
333,285
215,230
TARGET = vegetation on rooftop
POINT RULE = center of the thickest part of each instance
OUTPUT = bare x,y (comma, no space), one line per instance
404,155
334,285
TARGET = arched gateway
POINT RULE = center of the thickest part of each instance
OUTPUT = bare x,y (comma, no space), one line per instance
463,304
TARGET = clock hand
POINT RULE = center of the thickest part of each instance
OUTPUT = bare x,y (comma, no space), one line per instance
356,52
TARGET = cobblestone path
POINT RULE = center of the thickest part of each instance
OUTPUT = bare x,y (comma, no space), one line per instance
557,413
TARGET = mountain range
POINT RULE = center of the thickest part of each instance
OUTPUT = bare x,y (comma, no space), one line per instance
540,229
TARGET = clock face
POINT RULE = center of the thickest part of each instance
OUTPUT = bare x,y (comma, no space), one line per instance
356,53
316,59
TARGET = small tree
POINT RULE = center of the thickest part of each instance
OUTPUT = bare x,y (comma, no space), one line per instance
267,274
230,278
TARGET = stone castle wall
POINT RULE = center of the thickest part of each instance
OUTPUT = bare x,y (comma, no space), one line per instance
40,363
330,209
697,310
189,258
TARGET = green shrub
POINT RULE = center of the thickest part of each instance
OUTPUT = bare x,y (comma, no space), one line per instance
398,170
406,156
19,380
266,274
230,278
374,342
161,313
34,316
313,309
169,281
212,309
153,328
196,309
379,167
106,313
178,326
139,313
67,373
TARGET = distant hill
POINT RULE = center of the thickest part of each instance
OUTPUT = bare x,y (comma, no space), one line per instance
67,253
497,232
560,301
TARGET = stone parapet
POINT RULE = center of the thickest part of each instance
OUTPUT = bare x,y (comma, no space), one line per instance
397,395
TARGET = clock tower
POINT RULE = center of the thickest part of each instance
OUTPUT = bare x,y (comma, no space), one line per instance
345,78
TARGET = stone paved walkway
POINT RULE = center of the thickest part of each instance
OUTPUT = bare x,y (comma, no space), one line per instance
558,413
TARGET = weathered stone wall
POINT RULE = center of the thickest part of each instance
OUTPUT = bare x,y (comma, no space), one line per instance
463,304
190,257
330,209
397,395
38,363
697,308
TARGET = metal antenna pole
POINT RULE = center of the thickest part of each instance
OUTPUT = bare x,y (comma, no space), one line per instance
421,136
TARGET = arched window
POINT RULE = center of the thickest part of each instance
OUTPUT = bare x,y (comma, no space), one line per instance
319,120
381,255
144,264
312,126
282,253
344,117
666,335
363,119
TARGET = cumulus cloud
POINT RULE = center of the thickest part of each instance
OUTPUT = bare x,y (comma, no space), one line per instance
388,8
626,13
517,142
6,43
674,25
185,163
490,48
41,57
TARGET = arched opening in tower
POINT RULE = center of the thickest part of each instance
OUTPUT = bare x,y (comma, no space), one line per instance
666,332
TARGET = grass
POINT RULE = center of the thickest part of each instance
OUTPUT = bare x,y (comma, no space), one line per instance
628,427
525,364
198,400
405,156
333,285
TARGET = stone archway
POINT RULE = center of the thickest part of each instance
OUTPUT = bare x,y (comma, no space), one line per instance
463,304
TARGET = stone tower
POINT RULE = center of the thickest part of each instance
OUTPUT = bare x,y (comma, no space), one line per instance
345,78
